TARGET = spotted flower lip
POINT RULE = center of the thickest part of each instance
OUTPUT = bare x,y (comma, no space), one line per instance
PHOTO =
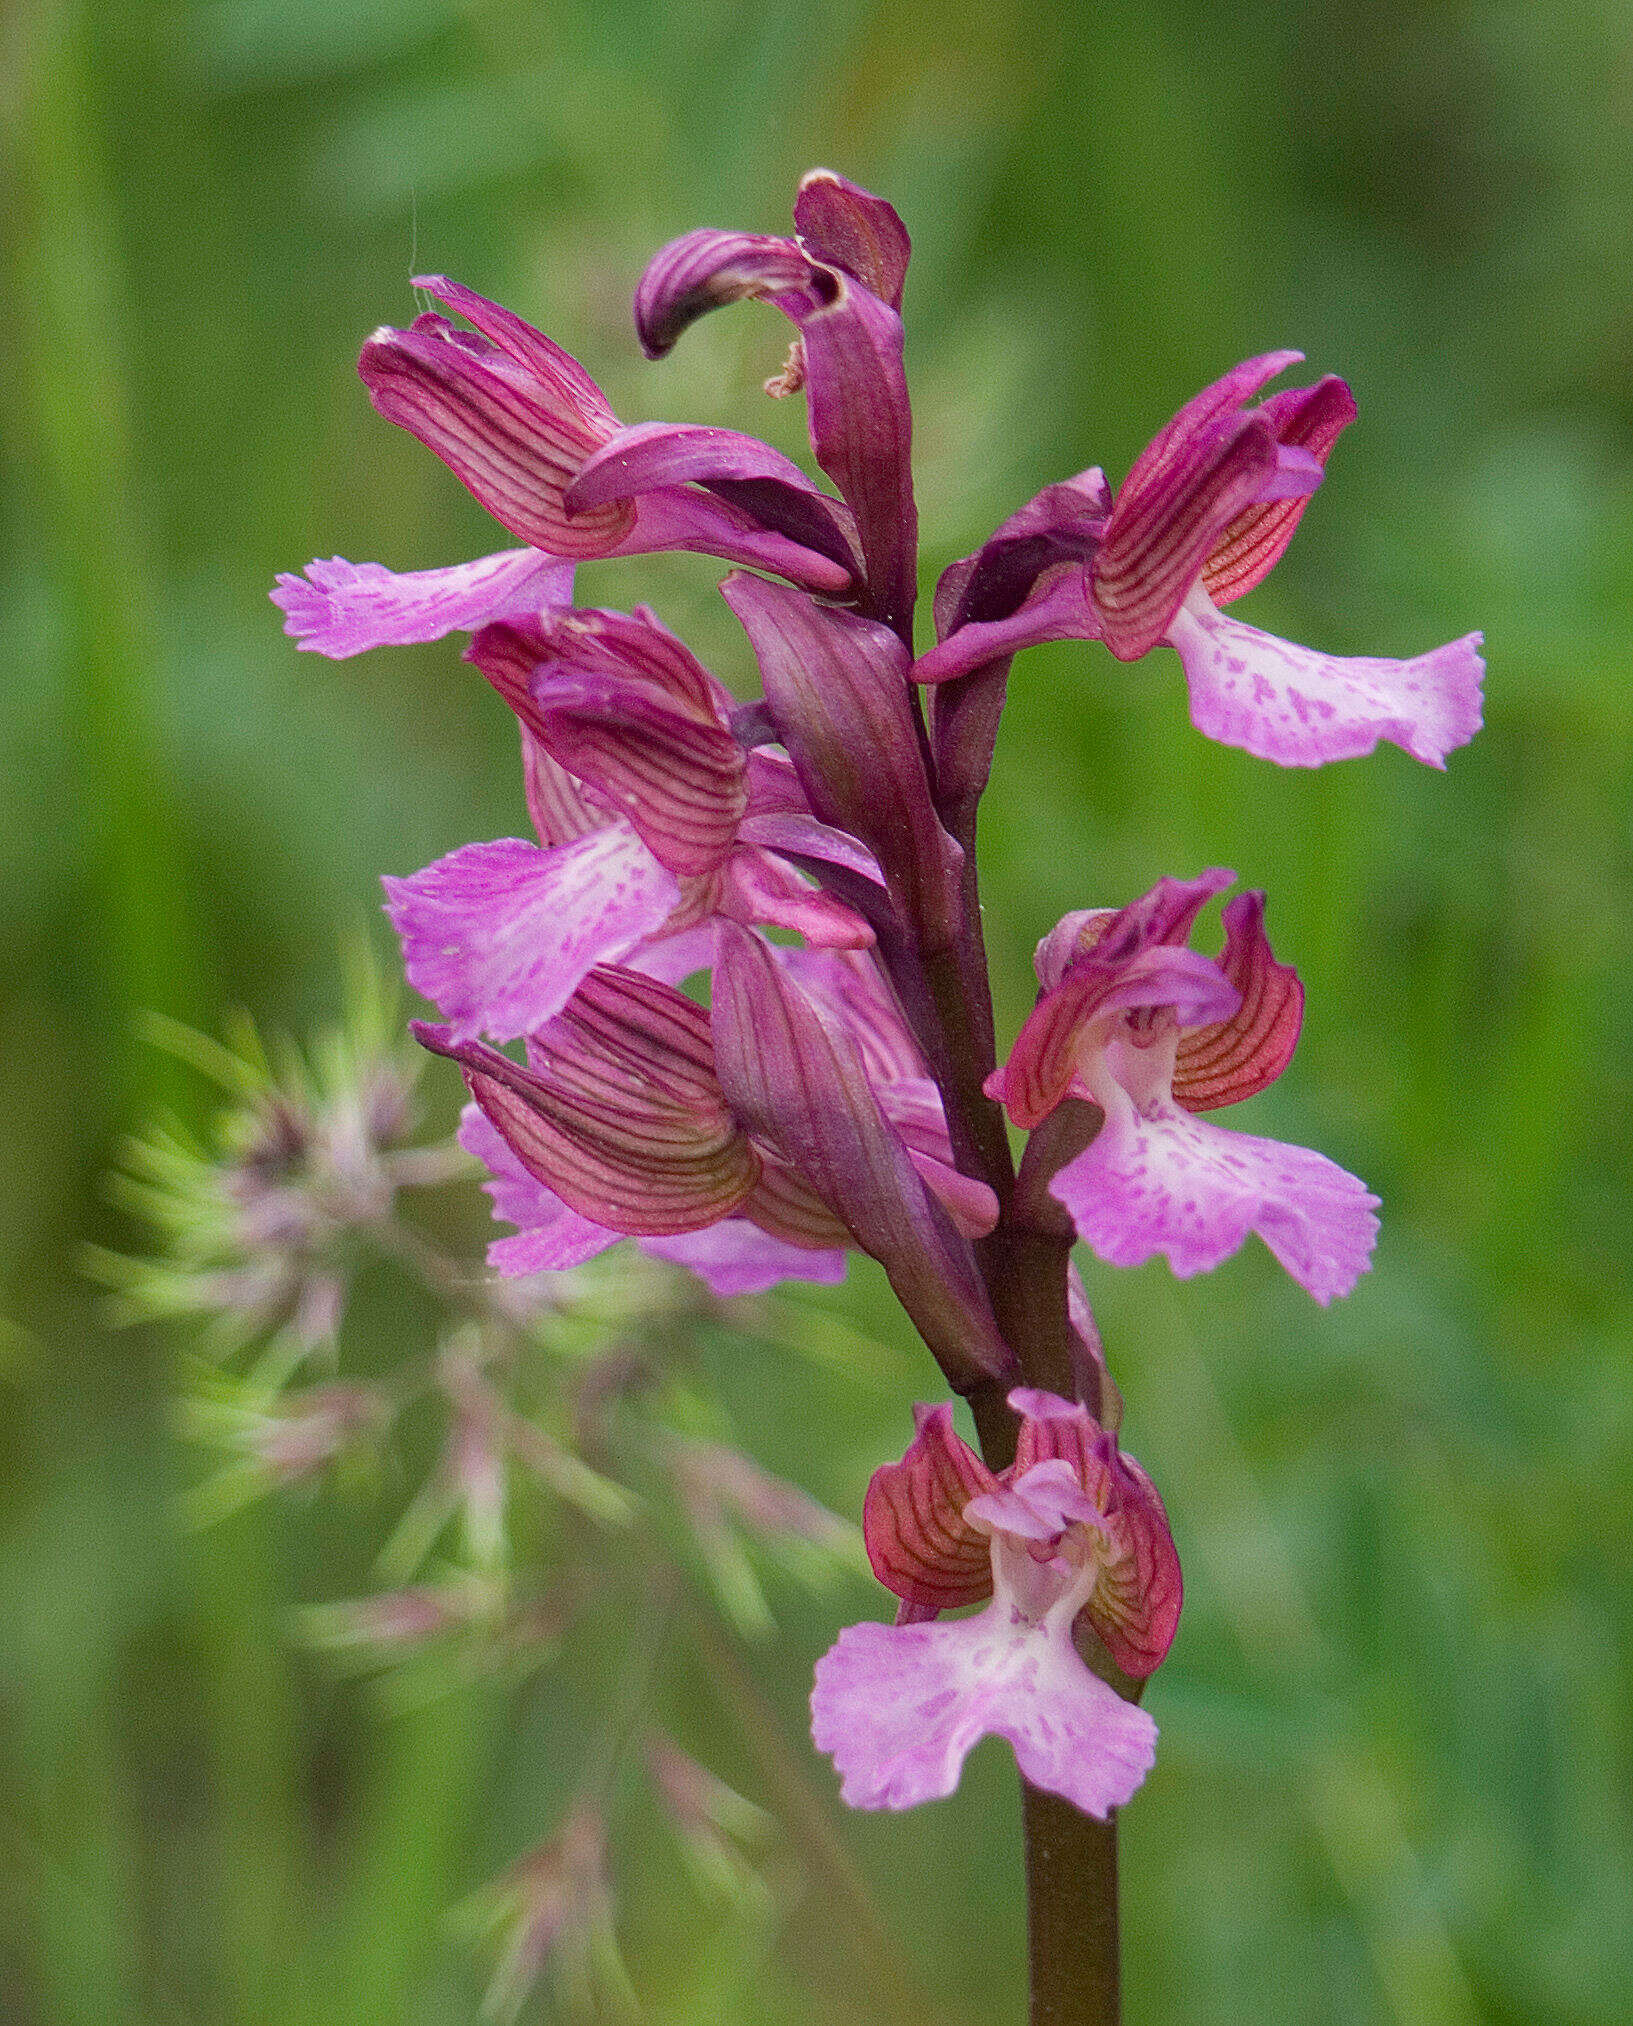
1072,1530
1203,516
1152,1033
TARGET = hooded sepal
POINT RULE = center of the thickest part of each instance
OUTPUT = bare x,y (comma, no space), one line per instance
732,1257
856,387
1239,1057
919,1543
511,415
1136,1600
679,782
619,1111
847,227
1187,488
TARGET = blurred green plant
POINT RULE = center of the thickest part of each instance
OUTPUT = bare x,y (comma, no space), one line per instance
567,1450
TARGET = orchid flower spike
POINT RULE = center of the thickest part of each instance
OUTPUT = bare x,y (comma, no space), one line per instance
527,431
1203,516
1152,1033
1070,1541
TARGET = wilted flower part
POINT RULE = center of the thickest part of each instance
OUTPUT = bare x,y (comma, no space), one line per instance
1151,1033
1072,1528
1205,512
839,282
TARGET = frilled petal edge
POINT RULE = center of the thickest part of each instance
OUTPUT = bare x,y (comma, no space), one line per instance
499,936
1291,704
1160,1180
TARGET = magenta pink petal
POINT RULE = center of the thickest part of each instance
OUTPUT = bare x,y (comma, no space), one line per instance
1164,1181
339,608
499,936
1287,703
899,1708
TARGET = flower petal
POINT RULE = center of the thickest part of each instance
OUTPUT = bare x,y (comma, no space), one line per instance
1161,532
1236,1058
550,1237
848,227
1062,524
759,887
899,1708
705,269
339,608
736,1257
499,936
745,472
1287,703
514,435
1164,913
1166,1182
685,517
1059,608
619,1112
1043,1064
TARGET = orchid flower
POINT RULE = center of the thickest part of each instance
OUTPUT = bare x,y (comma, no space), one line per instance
619,1101
530,435
1203,516
1071,1540
1152,1033
648,812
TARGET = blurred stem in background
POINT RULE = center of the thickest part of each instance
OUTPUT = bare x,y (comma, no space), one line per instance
139,949
71,307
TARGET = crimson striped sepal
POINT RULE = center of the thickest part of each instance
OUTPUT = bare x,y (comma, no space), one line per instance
1304,418
920,1544
1096,962
1191,483
926,1552
619,1110
627,709
1238,1057
512,416
679,782
1135,1603
1043,1064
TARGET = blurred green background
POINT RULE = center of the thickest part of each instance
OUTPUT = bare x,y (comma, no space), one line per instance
1396,1776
